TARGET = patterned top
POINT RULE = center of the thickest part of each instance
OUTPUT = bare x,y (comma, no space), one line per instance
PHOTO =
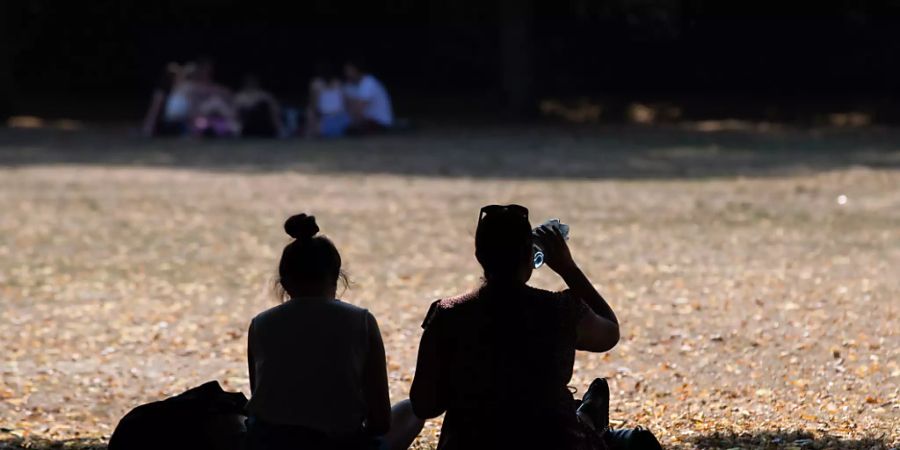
505,360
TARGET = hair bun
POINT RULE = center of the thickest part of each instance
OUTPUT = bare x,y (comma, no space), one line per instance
301,226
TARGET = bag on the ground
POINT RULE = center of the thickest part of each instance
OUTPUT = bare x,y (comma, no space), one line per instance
631,439
202,418
625,439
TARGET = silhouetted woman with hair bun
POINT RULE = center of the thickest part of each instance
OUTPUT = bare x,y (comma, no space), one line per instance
318,375
498,360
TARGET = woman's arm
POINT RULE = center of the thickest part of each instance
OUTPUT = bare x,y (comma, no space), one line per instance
597,331
251,365
424,391
375,383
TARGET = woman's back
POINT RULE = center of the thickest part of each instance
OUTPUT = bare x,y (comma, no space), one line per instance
506,353
318,372
498,361
308,357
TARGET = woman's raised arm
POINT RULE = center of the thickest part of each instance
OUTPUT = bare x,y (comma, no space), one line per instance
597,331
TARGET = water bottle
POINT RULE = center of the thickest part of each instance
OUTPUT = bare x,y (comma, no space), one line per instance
537,250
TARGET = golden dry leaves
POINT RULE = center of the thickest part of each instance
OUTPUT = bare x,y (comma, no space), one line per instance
757,312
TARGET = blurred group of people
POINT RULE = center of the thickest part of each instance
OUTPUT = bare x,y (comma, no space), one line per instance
356,104
189,101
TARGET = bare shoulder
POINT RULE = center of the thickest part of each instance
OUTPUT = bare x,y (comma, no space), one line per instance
458,301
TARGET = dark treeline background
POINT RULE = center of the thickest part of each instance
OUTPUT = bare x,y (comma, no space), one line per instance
759,60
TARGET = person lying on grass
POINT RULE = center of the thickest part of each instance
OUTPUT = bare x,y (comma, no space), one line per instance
498,360
318,375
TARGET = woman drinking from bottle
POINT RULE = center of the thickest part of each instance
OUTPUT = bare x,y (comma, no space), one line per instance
498,360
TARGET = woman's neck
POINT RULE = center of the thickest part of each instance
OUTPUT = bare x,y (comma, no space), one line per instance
307,298
504,283
315,293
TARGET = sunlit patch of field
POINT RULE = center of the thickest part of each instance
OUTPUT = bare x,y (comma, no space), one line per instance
756,311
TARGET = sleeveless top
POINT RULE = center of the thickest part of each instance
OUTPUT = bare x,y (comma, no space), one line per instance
308,356
505,360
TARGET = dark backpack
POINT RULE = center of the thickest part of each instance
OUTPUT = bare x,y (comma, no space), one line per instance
596,406
202,418
631,439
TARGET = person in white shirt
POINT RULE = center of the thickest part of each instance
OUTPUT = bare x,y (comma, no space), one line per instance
327,113
368,101
318,374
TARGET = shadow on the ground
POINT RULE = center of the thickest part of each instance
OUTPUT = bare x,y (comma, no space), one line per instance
509,152
772,440
767,440
51,444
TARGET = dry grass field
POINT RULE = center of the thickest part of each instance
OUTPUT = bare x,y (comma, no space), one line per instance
756,275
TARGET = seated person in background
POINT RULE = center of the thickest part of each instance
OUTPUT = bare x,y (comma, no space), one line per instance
215,116
206,84
318,375
154,120
212,110
327,114
499,359
197,104
368,102
257,110
177,109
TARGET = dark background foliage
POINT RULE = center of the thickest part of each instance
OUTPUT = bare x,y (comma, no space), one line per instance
747,58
